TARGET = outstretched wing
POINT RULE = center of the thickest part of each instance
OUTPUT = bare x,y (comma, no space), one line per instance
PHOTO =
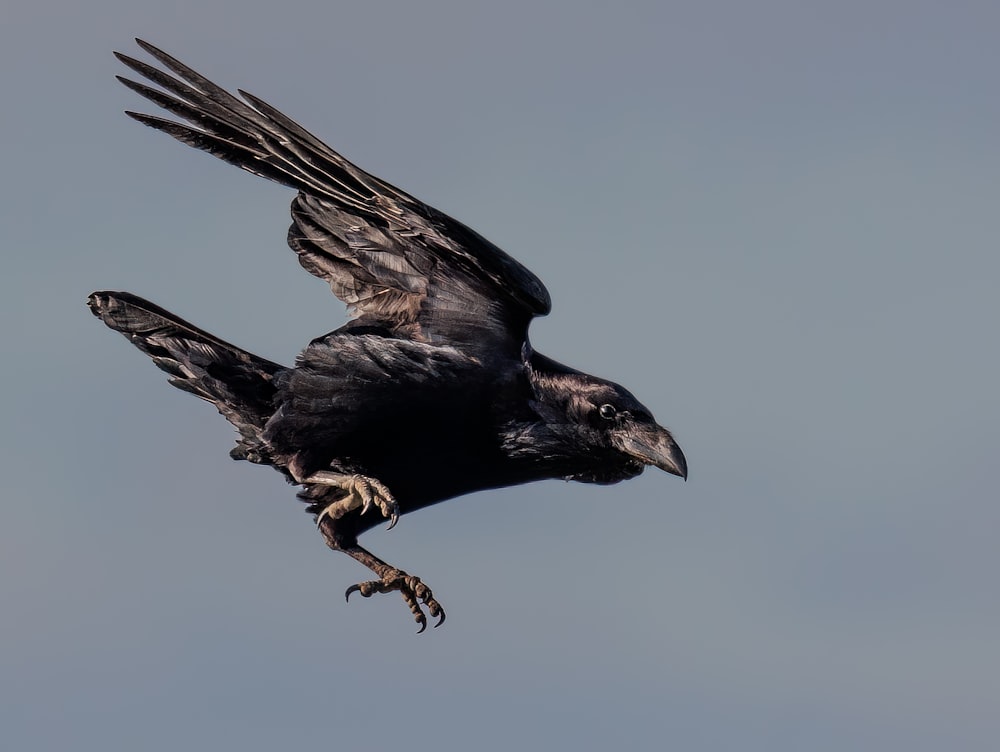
397,263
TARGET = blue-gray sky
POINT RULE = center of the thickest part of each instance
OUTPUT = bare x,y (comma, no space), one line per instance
775,222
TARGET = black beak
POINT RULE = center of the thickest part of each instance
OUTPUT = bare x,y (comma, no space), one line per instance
655,446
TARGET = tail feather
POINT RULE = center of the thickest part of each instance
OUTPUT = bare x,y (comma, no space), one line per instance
240,384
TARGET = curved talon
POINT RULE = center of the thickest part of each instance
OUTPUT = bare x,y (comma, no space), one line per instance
364,490
375,493
411,588
360,492
422,621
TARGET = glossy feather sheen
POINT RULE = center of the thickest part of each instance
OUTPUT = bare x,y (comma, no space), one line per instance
431,391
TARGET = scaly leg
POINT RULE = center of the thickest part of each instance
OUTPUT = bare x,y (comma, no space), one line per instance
390,578
411,588
361,491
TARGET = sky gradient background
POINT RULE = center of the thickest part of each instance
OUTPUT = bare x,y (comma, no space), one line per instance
775,222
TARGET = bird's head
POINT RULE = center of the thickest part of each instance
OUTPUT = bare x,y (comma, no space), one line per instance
607,431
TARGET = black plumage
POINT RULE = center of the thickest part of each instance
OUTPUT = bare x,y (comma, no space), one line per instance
430,391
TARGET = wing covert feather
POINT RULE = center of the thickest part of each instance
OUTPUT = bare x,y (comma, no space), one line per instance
396,262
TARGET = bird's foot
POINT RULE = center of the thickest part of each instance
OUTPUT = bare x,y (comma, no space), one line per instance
361,492
411,588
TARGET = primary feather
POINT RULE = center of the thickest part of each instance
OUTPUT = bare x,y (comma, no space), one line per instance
431,391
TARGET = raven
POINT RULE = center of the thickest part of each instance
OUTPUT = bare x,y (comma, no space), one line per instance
430,391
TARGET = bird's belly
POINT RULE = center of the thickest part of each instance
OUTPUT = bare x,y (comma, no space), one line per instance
424,456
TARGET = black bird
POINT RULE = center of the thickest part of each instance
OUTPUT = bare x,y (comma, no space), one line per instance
430,391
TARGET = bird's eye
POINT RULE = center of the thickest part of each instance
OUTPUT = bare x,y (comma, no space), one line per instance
607,411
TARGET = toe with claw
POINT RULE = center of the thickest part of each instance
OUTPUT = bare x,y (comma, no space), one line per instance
360,492
414,592
374,492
